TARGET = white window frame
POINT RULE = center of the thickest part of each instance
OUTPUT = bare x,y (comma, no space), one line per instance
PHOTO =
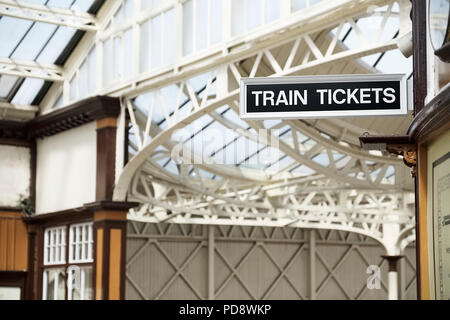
79,238
86,242
52,248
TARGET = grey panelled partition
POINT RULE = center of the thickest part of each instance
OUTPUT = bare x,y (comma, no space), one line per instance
174,261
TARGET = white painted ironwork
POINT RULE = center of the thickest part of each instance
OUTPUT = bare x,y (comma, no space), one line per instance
124,51
31,69
52,15
351,190
345,189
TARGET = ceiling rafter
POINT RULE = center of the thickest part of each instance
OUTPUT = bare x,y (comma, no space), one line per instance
31,69
41,13
231,49
352,191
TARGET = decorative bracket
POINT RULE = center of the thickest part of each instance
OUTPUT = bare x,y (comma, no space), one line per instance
400,145
408,152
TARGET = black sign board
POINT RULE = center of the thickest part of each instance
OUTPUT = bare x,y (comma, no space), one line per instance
323,96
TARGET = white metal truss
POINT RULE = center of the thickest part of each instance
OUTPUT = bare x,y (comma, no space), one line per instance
229,95
31,69
349,192
328,14
35,12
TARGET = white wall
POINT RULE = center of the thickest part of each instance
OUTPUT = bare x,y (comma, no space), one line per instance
66,169
14,174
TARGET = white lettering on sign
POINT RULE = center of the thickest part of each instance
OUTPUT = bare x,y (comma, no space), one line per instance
292,97
358,96
391,95
337,96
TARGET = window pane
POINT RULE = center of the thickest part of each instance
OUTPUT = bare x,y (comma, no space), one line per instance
92,70
55,246
169,36
156,41
201,20
28,91
144,47
9,293
83,83
254,13
55,286
81,243
107,62
298,4
6,84
216,21
188,27
272,10
128,54
82,284
88,284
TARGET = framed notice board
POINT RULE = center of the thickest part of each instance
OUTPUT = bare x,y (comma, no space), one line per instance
435,243
441,226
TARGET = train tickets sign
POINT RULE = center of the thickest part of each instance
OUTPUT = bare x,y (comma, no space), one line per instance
323,96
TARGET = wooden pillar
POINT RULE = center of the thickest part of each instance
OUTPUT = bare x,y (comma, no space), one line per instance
34,250
110,232
106,156
109,268
109,223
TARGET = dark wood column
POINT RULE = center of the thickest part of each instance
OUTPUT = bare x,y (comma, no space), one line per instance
110,232
419,33
32,283
106,158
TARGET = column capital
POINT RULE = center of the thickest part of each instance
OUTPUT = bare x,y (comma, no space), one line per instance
392,260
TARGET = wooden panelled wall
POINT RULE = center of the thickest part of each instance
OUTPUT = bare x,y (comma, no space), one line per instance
13,242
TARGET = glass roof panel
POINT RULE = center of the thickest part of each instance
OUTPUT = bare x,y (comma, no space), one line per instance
12,31
56,45
28,40
28,90
34,41
7,83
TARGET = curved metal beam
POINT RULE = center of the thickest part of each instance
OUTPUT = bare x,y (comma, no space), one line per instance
139,159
